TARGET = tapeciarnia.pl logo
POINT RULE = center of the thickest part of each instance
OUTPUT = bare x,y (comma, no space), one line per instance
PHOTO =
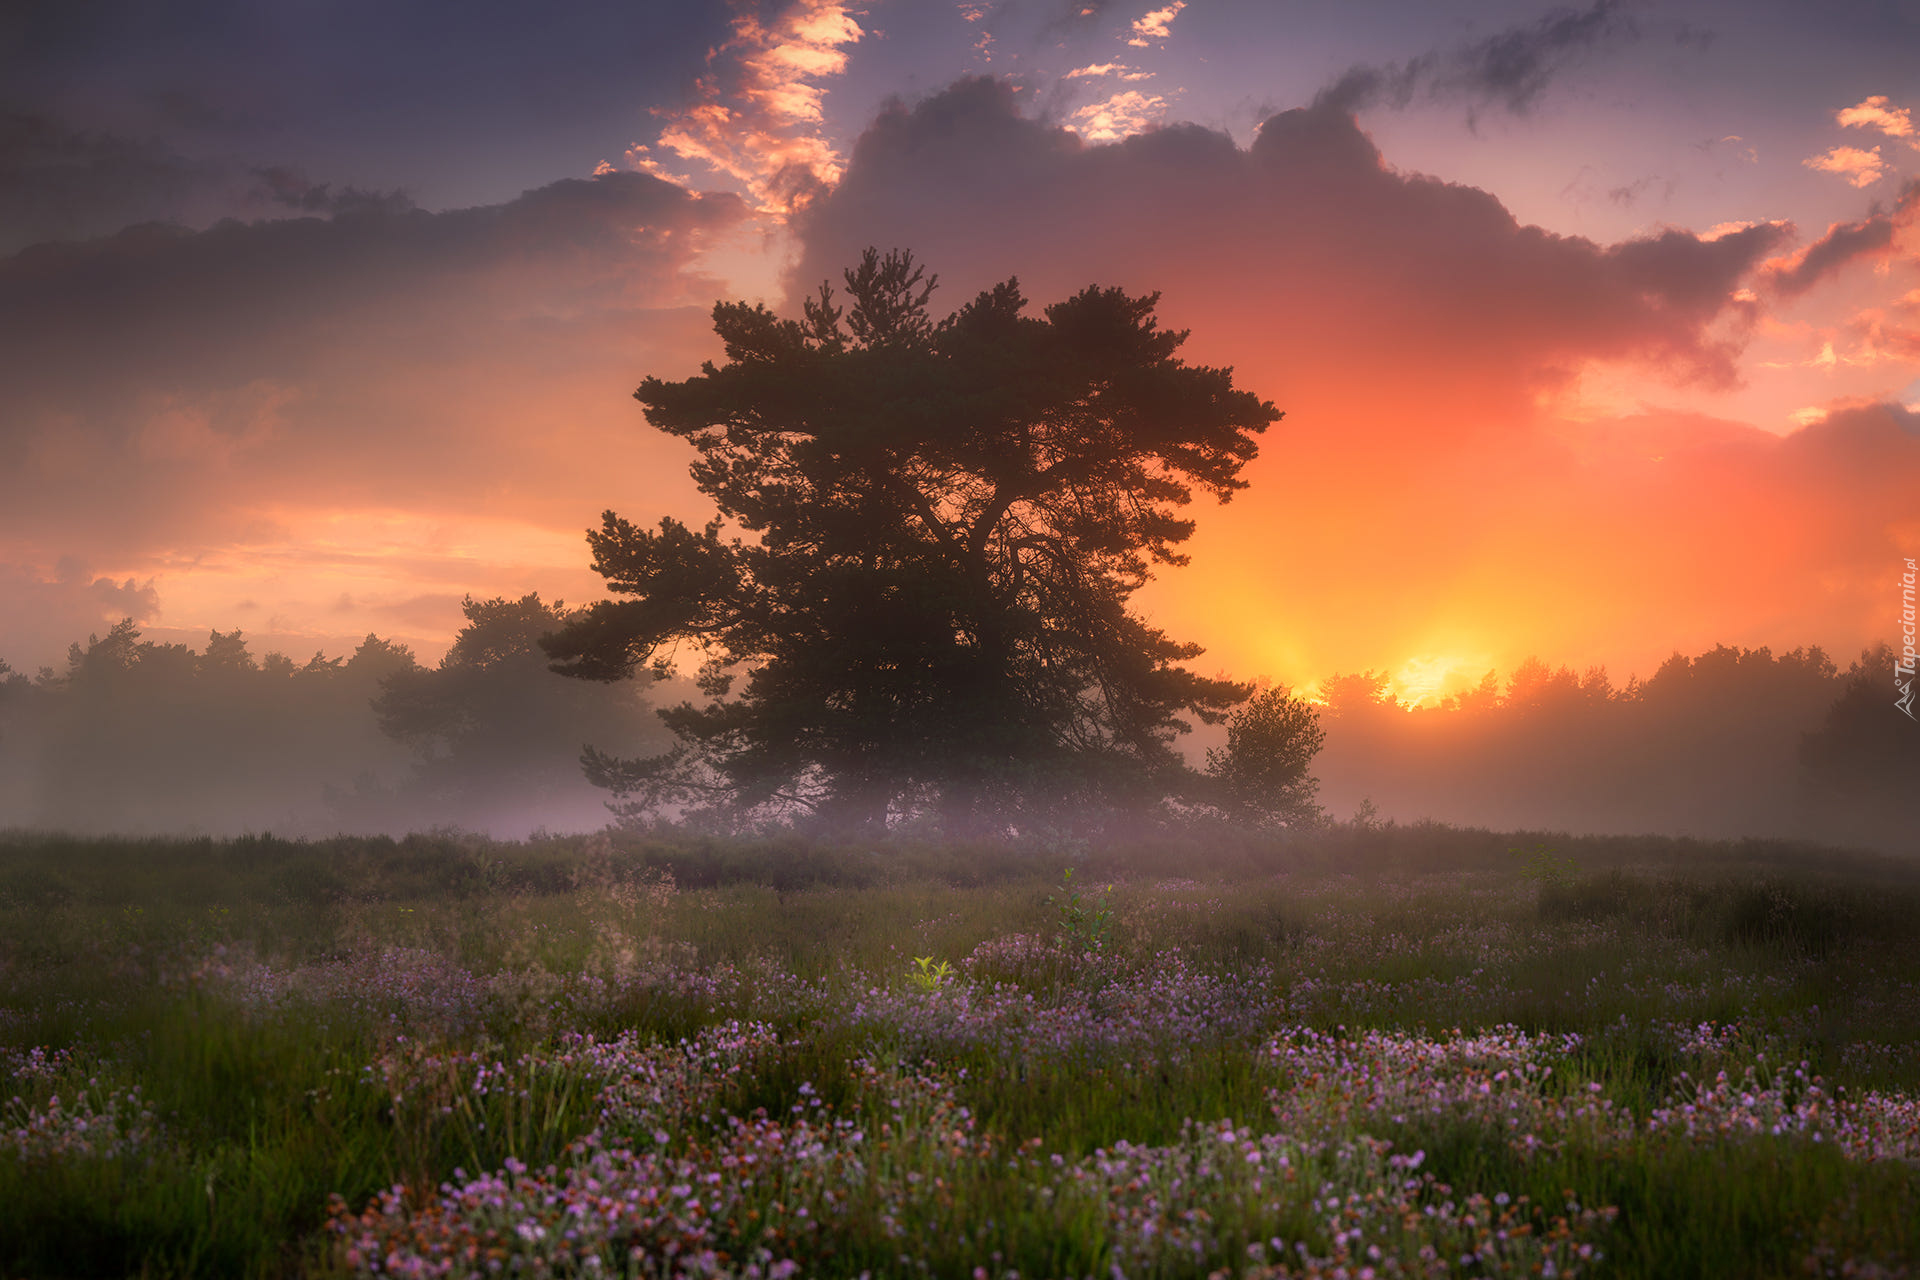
1903,665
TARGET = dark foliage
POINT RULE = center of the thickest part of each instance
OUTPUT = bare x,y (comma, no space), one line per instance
944,523
496,733
1865,755
1262,771
136,735
1730,742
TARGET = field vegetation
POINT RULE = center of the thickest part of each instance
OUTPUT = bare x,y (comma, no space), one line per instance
1374,1050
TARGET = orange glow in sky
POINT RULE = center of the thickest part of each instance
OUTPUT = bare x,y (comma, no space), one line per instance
1574,366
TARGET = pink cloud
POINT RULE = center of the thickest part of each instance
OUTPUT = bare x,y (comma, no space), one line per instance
757,116
49,609
1874,113
1861,168
1119,70
1119,116
1889,333
1157,24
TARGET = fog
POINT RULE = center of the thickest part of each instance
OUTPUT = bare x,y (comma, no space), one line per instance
136,737
1731,742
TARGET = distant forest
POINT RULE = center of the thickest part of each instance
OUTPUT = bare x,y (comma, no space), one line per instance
135,736
1732,742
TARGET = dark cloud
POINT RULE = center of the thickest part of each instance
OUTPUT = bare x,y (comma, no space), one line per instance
452,101
1508,70
1629,193
242,301
59,183
1071,16
1365,85
1869,451
1842,244
1049,18
1303,248
1513,68
283,186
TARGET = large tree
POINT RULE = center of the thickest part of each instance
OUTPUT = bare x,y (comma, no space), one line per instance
944,524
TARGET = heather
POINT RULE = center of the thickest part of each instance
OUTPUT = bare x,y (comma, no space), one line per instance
1398,1051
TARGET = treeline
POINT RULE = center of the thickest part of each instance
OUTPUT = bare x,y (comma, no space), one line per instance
138,736
1732,742
135,736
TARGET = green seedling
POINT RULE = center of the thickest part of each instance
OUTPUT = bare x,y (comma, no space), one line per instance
928,976
1086,924
1548,866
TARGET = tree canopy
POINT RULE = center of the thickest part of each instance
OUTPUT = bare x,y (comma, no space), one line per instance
1261,773
926,541
496,734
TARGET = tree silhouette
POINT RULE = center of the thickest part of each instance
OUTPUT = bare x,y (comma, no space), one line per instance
1271,740
375,662
1705,746
13,689
945,523
139,735
226,654
1864,758
1362,694
492,726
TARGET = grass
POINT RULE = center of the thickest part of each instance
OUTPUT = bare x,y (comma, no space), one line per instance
1611,1057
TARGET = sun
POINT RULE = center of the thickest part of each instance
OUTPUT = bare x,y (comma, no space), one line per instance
1426,680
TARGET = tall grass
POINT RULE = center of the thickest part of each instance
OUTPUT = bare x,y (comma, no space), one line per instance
221,1055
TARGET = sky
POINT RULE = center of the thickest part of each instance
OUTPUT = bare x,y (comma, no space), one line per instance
1597,328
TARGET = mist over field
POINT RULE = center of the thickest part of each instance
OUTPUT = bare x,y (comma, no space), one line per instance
136,738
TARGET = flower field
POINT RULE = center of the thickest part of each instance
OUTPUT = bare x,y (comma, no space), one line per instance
1414,1056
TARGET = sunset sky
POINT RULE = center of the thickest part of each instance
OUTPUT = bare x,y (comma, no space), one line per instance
1597,329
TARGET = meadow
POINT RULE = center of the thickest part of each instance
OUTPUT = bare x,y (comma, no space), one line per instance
1400,1051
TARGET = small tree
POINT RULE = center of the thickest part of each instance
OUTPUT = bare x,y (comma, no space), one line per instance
1262,772
944,523
496,732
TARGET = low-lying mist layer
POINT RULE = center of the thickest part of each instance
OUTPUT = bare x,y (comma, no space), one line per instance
143,738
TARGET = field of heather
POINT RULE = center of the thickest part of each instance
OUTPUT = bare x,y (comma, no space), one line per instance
1401,1052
